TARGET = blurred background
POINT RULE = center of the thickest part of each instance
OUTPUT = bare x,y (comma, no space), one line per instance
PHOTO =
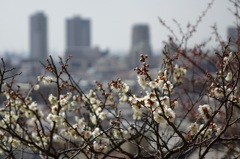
104,37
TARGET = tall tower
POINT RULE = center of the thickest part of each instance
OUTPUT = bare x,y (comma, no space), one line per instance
234,34
140,44
38,37
78,33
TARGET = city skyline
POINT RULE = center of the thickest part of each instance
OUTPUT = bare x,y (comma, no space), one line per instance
111,21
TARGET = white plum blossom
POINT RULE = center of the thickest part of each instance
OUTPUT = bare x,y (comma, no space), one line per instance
205,111
229,76
218,92
99,147
47,80
137,113
170,114
142,81
86,134
54,109
36,87
124,87
102,115
154,84
157,116
167,87
123,97
96,132
193,128
178,73
93,119
165,101
52,99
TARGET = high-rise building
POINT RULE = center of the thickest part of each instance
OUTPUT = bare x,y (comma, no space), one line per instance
234,34
78,45
38,37
78,33
140,34
140,44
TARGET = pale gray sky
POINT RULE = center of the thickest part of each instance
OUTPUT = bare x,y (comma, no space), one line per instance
111,20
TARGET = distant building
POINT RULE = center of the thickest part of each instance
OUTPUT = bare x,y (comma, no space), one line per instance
78,33
234,34
78,45
38,37
140,44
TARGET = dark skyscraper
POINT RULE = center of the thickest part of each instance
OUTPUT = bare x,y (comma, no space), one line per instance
234,34
38,37
78,32
140,44
140,34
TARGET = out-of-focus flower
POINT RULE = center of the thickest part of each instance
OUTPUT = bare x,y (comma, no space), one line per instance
47,80
36,87
218,92
154,84
167,87
229,76
142,81
157,116
137,114
170,114
193,128
123,97
102,115
178,73
124,87
93,119
96,132
52,99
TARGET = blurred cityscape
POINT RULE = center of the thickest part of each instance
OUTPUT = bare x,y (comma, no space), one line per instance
88,63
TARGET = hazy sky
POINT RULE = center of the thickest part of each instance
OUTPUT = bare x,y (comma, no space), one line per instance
111,20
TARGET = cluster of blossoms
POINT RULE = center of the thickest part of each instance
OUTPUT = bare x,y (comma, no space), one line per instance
157,102
223,85
179,73
93,123
45,79
121,88
161,110
207,132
